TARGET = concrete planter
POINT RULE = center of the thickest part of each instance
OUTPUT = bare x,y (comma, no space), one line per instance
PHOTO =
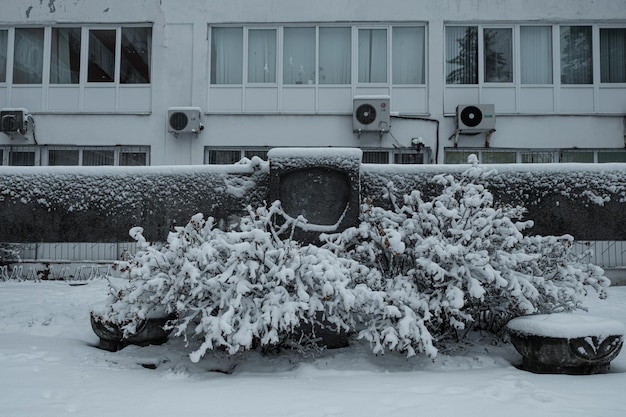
150,332
566,343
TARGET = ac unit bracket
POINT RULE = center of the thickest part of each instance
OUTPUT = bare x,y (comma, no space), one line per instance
459,132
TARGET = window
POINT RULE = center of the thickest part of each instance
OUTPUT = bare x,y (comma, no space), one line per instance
101,66
262,56
228,156
299,56
4,34
226,56
63,157
612,156
536,54
372,62
396,156
136,51
576,55
22,158
498,55
576,156
135,55
74,155
612,55
534,156
223,156
498,157
98,157
65,56
335,58
318,55
458,156
409,157
408,55
133,158
28,56
485,156
461,55
261,153
19,155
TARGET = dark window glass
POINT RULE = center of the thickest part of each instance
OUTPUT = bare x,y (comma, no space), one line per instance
136,51
19,158
63,157
101,56
28,56
133,159
226,156
462,55
65,56
98,157
612,55
498,55
576,55
375,157
3,55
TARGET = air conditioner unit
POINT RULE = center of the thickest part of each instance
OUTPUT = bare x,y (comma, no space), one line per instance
476,117
370,114
184,120
14,121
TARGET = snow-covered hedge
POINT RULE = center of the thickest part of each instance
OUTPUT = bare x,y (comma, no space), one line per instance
100,204
406,279
587,201
82,204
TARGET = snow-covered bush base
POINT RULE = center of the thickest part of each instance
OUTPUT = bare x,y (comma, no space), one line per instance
406,279
237,289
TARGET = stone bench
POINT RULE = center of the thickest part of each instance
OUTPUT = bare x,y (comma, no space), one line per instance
566,343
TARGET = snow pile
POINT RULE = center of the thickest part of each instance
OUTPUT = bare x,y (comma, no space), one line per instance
346,159
567,326
406,279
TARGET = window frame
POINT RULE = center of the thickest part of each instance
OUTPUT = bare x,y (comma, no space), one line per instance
539,155
540,97
83,96
42,153
331,95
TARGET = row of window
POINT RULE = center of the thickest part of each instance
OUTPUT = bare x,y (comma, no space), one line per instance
370,155
323,55
396,54
71,55
74,155
140,155
317,55
477,54
534,156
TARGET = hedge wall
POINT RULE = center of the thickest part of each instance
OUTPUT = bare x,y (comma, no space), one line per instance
87,204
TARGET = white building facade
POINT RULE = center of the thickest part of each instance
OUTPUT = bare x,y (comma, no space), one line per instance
96,83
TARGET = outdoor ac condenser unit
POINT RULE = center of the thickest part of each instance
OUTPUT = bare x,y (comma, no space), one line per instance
14,121
475,117
370,114
184,120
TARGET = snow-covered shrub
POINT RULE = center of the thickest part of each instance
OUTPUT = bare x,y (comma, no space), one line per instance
237,289
457,260
10,252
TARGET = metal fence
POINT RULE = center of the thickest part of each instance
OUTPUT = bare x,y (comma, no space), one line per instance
607,254
78,261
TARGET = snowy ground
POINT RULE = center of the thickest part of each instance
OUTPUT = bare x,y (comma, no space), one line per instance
49,367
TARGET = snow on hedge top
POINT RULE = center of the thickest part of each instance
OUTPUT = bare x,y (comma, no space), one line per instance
567,325
341,158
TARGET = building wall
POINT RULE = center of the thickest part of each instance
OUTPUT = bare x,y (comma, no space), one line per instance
554,116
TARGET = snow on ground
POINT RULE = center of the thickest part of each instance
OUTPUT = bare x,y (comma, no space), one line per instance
50,367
